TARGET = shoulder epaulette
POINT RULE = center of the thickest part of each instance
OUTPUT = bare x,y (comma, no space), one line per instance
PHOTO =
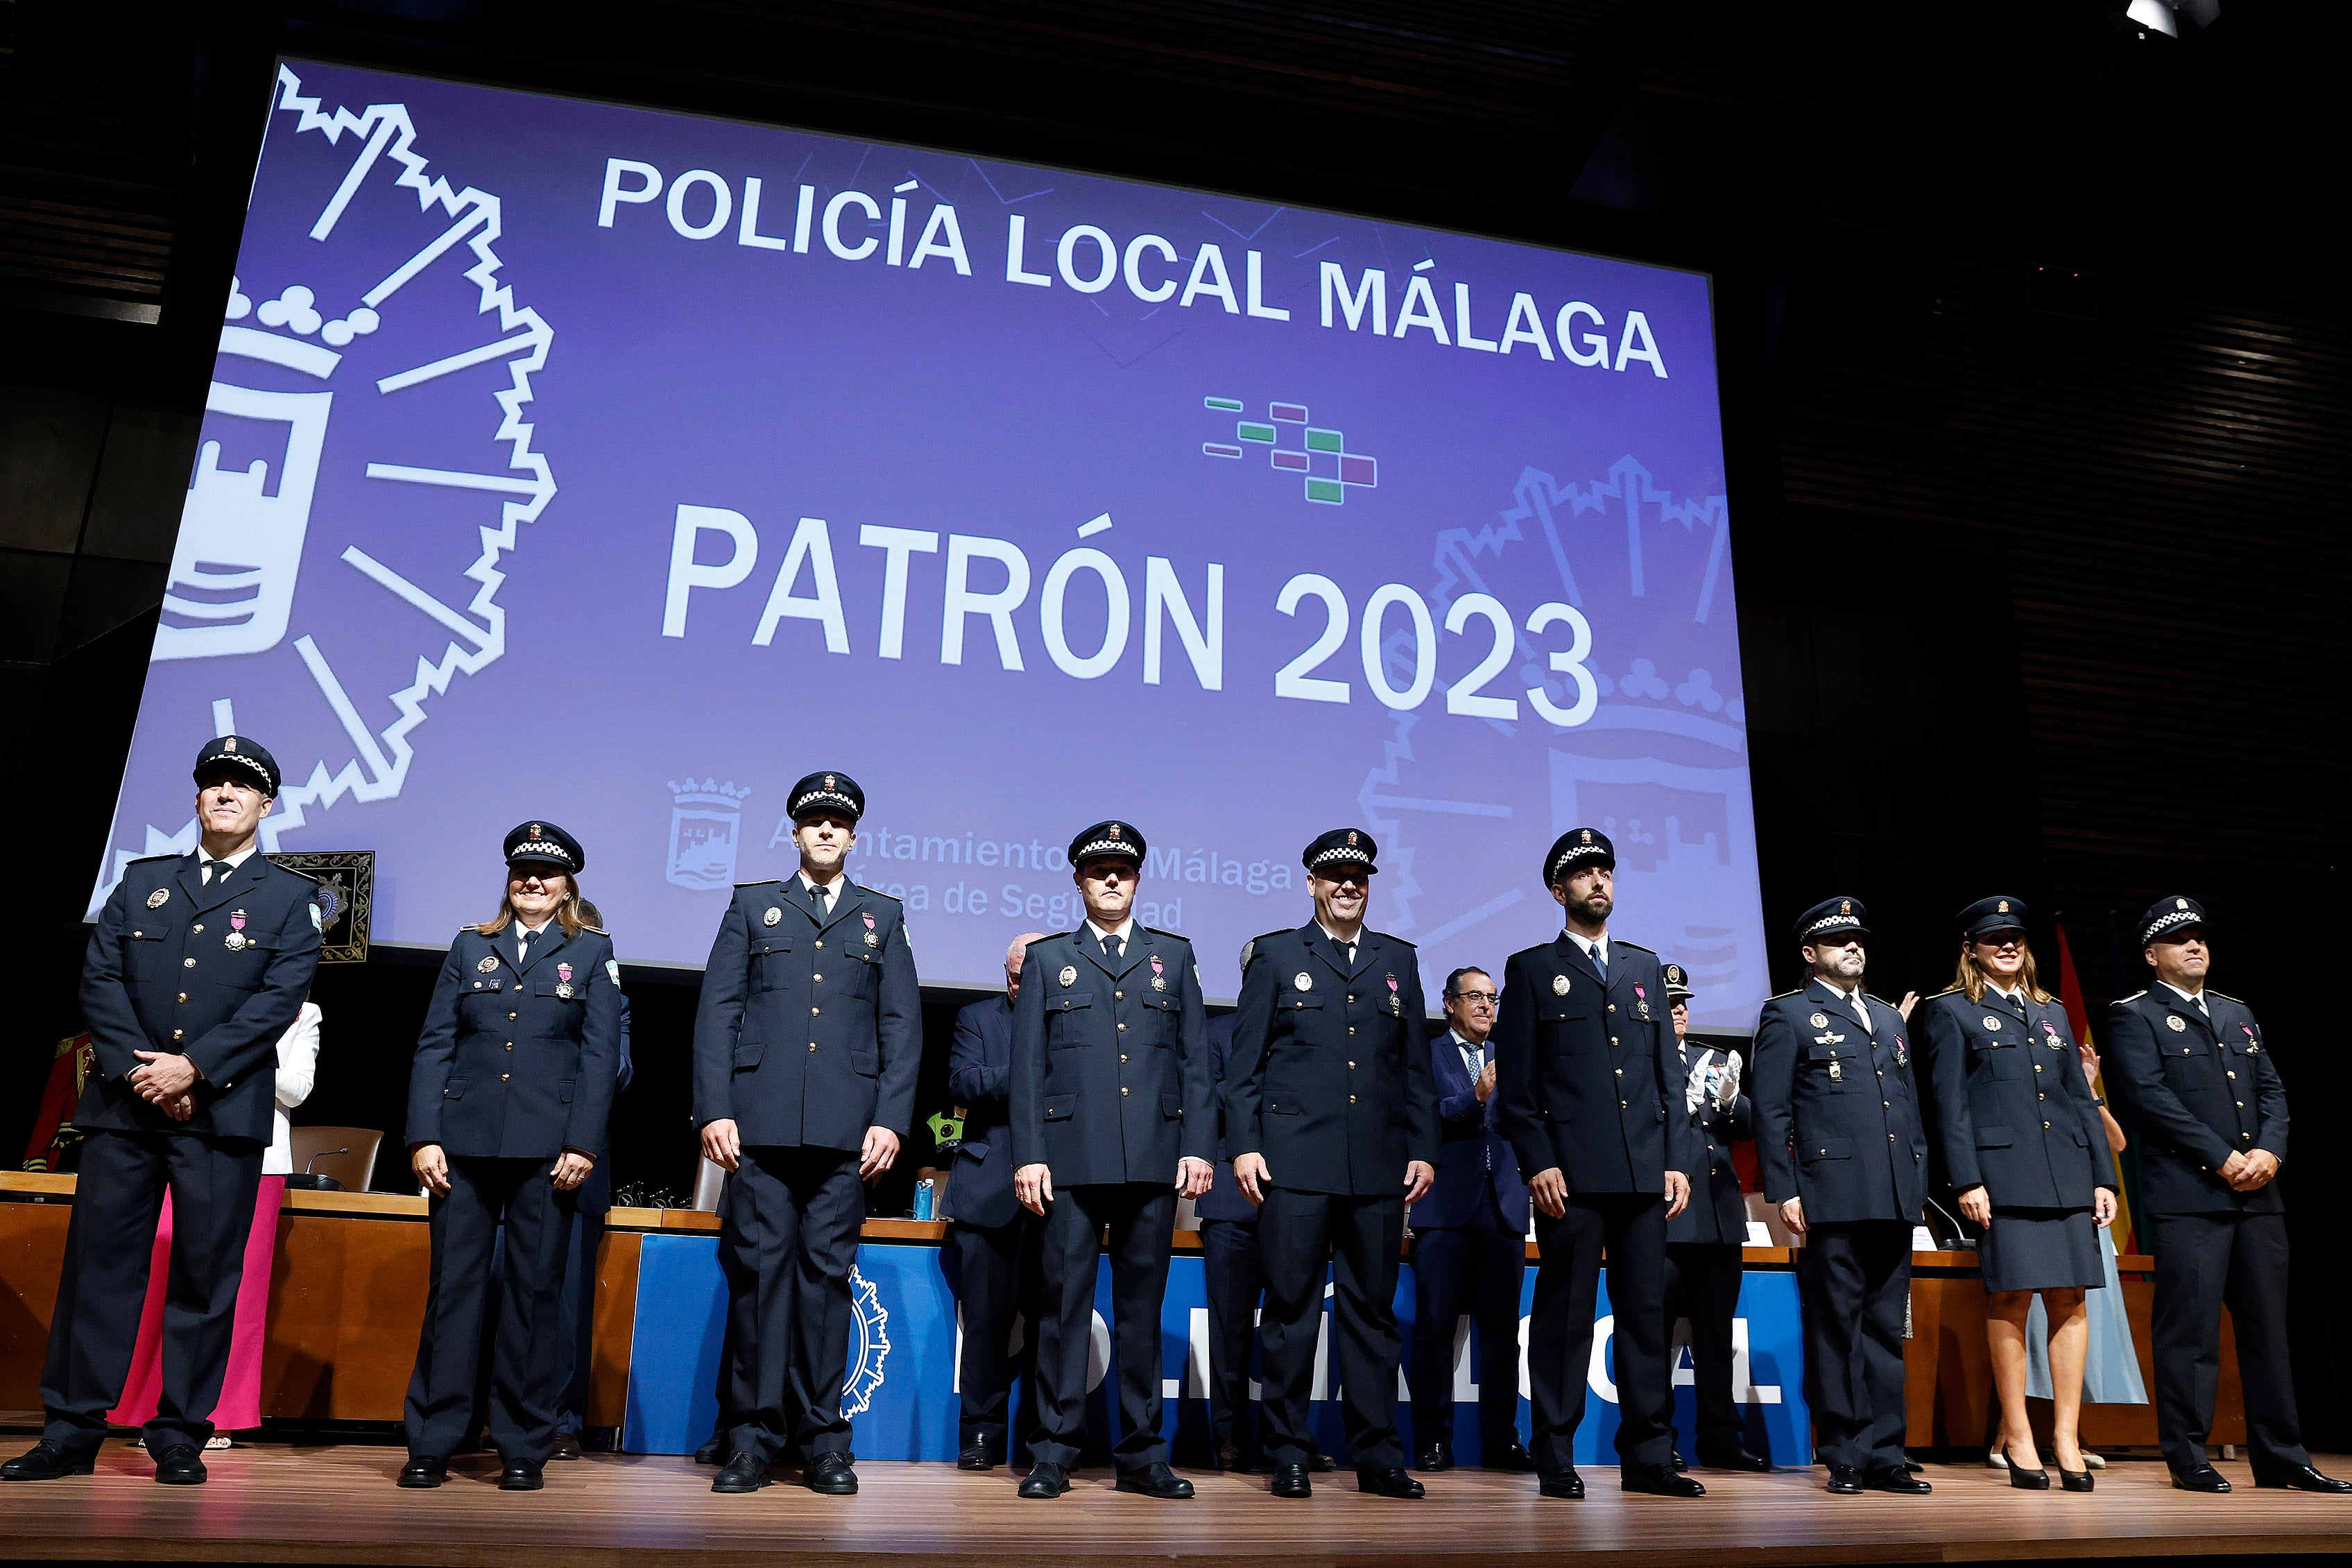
1882,1001
762,882
1172,936
144,860
1947,991
2224,996
479,928
1619,942
1399,940
289,871
875,892
2133,997
597,929
1249,948
1785,995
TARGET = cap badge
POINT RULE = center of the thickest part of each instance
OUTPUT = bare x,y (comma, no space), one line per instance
2172,1022
2004,906
1114,830
537,831
1819,1021
1068,977
828,780
1992,1023
1351,836
155,900
228,743
1588,835
488,964
1560,985
1845,906
2179,904
1302,980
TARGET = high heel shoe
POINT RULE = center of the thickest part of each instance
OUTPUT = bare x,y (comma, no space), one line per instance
2025,1479
2076,1481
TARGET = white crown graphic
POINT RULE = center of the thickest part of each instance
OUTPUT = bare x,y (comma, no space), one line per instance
709,792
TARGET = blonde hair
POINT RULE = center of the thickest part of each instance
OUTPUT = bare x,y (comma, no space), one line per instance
573,913
1972,977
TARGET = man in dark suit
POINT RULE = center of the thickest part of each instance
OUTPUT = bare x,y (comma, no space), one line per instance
1704,1241
995,1237
1469,1244
200,961
2195,1081
1588,1069
1333,1127
820,963
1233,1278
1842,1148
1110,1126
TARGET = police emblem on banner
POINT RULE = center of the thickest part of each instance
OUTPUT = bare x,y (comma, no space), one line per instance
869,1345
705,819
346,900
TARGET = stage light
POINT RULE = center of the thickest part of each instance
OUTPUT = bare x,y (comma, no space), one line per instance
2163,16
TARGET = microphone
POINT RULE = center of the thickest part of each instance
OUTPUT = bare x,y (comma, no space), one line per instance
1962,1240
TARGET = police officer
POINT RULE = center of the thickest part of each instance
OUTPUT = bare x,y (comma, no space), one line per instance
1332,1121
2026,1149
2193,1073
805,1048
1469,1243
1704,1241
199,962
995,1237
1841,1148
1233,1278
506,1109
1588,1074
1110,1125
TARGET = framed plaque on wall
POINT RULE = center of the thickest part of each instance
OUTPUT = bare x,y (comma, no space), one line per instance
346,879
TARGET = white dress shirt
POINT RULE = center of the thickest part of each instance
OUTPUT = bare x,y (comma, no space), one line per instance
232,861
297,1070
1596,950
2195,998
1117,934
828,890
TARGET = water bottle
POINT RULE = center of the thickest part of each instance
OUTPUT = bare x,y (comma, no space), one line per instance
923,1198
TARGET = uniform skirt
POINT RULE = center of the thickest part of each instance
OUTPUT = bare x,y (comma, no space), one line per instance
2040,1249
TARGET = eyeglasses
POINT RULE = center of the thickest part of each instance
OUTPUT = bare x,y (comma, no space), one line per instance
1489,997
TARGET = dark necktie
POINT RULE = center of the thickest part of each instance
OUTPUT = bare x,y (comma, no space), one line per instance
1346,951
1114,947
1600,961
216,870
523,945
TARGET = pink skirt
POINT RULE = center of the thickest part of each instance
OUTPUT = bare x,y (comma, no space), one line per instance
240,1408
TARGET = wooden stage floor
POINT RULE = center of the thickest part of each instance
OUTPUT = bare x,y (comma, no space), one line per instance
338,1505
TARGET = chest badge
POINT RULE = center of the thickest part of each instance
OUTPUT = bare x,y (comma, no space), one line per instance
1560,985
2252,1043
156,899
1819,1021
873,938
2172,1022
1396,997
1302,980
772,915
488,965
235,941
1158,974
1992,1023
1068,977
1837,1071
1901,1059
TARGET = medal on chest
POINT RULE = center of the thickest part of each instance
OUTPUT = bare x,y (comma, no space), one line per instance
235,941
155,900
1158,974
1900,1059
2172,1022
1396,997
1302,980
1837,1071
1641,1001
2252,1043
1068,977
488,965
772,915
564,981
873,938
1560,985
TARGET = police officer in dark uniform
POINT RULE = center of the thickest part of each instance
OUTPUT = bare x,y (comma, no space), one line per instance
1589,1075
1233,1278
1111,1124
508,1103
1841,1148
995,1238
1332,1122
1704,1241
805,1050
1469,1243
2192,1072
199,962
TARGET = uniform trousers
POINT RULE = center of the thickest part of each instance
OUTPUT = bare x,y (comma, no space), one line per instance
1235,1280
1141,1218
996,1277
1475,1270
2203,1261
530,1358
1359,1238
1703,1286
1855,1277
789,1227
102,1287
1632,1226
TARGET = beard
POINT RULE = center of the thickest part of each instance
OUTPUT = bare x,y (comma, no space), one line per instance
1592,910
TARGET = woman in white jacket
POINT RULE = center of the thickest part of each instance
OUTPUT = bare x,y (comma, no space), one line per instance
240,1408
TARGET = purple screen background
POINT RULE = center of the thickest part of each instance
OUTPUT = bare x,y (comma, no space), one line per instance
630,370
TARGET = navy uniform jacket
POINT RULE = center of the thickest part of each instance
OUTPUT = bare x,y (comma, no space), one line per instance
1842,1099
807,1035
2195,1089
1224,1199
1110,1072
1716,1212
1329,1080
217,973
519,1062
2013,1111
1588,1075
1474,1159
980,1076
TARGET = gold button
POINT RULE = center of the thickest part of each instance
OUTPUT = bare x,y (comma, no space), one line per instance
518,984
187,963
2233,1072
504,1076
811,1048
1622,1105
1351,1066
2041,1096
1890,1106
1122,1057
815,1011
1122,1089
1612,1040
1881,1072
818,979
2241,1104
2045,1127
183,996
2037,1067
1351,996
1122,1029
192,930
819,945
175,1034
1621,1073
1351,1099
1890,1138
511,1018
1118,995
509,1045
1612,1007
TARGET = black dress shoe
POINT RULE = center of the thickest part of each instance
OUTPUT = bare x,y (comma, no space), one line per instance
2076,1480
1512,1456
2300,1478
1679,1461
180,1465
1044,1479
1735,1460
46,1461
1845,1481
745,1471
1156,1481
1387,1480
1913,1466
424,1471
567,1447
1659,1481
2200,1477
977,1456
714,1452
1567,1484
1897,1479
1290,1480
520,1475
1434,1456
1322,1464
830,1474
2020,1477
1232,1461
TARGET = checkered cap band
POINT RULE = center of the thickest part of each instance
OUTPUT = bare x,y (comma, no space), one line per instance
540,850
815,798
1575,853
243,764
1343,854
1833,923
2170,920
1126,848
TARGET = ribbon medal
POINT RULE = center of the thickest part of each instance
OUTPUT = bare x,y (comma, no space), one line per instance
1900,1060
1642,1000
235,939
563,977
873,939
1396,997
1158,968
2252,1043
